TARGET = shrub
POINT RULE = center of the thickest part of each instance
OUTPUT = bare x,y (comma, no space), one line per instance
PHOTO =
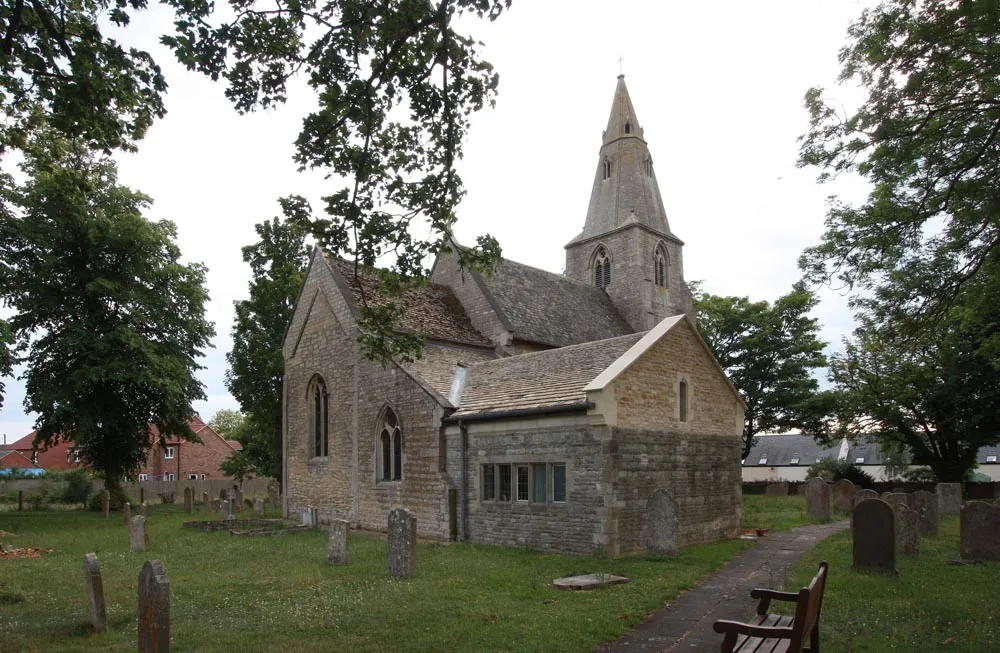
832,469
921,475
167,497
94,502
76,487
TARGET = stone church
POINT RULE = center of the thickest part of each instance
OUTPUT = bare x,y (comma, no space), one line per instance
579,413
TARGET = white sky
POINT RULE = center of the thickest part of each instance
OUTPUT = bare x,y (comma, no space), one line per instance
718,88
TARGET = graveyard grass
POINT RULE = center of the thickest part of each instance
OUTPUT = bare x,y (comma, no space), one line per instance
273,593
775,513
929,606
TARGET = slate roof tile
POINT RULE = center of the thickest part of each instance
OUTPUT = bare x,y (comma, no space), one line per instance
780,449
437,366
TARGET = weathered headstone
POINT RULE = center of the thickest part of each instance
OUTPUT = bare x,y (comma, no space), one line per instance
127,512
144,509
105,504
907,529
238,495
204,499
188,499
95,593
779,489
401,546
818,499
979,532
138,534
842,493
223,495
873,531
223,509
337,549
273,492
949,498
258,507
310,516
861,495
925,504
154,608
895,499
661,524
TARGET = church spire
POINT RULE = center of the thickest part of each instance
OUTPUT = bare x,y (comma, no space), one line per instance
625,191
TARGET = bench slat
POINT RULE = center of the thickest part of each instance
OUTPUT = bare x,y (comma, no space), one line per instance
747,644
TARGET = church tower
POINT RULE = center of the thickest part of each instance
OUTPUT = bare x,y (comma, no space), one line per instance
626,246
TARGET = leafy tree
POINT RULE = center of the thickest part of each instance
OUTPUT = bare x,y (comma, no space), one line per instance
109,321
278,263
768,351
6,355
227,423
926,138
239,466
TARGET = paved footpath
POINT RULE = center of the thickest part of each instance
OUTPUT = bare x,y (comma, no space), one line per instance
686,624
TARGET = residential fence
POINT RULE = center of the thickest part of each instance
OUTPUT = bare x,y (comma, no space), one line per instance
971,491
151,491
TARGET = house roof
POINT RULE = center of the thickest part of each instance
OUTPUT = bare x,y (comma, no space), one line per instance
437,365
11,458
544,379
549,309
781,449
431,311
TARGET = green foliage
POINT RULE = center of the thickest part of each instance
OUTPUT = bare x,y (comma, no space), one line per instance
774,513
239,466
110,322
6,355
115,501
76,486
768,351
832,469
920,475
227,423
925,138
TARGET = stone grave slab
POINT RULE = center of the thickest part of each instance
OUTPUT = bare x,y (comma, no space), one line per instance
154,608
97,609
661,524
588,581
340,530
818,499
138,534
979,531
949,498
873,532
925,504
401,544
842,494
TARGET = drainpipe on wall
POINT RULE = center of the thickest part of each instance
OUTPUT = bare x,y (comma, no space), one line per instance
465,480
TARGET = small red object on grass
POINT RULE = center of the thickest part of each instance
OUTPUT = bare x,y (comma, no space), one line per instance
761,531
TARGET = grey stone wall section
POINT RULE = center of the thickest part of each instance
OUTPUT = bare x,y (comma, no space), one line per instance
818,499
340,531
842,495
96,606
907,528
979,531
138,534
661,524
401,544
949,498
154,608
779,489
925,504
873,532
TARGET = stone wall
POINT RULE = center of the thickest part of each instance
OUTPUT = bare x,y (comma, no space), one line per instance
477,305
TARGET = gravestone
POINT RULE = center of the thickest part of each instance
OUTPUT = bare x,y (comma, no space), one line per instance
204,499
188,499
144,509
979,536
273,494
95,593
949,498
873,531
127,512
337,549
105,503
258,507
238,499
214,505
925,504
895,499
223,495
907,530
818,499
861,495
154,608
842,493
779,489
661,524
310,516
401,545
138,534
223,509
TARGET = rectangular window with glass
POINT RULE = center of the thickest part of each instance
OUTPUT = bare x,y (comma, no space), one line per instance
506,482
522,482
489,483
559,483
169,453
539,494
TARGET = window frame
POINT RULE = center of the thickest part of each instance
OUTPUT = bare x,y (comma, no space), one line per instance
168,453
318,411
991,458
491,483
143,477
171,477
389,447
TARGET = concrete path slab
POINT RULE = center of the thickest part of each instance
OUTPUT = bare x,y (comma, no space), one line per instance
686,624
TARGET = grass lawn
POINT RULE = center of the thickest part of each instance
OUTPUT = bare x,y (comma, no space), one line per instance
929,606
775,513
278,593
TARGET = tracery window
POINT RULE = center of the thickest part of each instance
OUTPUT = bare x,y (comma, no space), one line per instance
649,166
319,402
606,169
602,268
628,126
660,266
390,447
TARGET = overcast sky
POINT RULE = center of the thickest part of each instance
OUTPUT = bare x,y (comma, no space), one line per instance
718,88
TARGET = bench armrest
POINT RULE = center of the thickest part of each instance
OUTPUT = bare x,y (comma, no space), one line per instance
733,629
765,596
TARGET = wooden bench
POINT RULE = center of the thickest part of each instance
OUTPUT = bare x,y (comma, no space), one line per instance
773,633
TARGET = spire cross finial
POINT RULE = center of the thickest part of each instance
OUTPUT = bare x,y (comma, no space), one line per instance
621,58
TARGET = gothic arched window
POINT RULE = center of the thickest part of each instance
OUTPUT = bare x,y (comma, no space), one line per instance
319,403
628,127
649,166
606,169
390,447
660,266
602,268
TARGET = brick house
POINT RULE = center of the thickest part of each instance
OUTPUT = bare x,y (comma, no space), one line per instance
546,410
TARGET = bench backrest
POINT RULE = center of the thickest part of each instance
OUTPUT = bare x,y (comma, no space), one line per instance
808,607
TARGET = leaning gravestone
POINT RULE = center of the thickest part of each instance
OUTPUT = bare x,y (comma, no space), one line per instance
258,507
154,608
105,503
188,499
874,536
776,489
861,495
138,534
401,560
127,512
818,499
661,524
907,530
842,493
95,593
337,549
949,498
925,504
979,537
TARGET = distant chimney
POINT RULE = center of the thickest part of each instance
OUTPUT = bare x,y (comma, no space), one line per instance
457,385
